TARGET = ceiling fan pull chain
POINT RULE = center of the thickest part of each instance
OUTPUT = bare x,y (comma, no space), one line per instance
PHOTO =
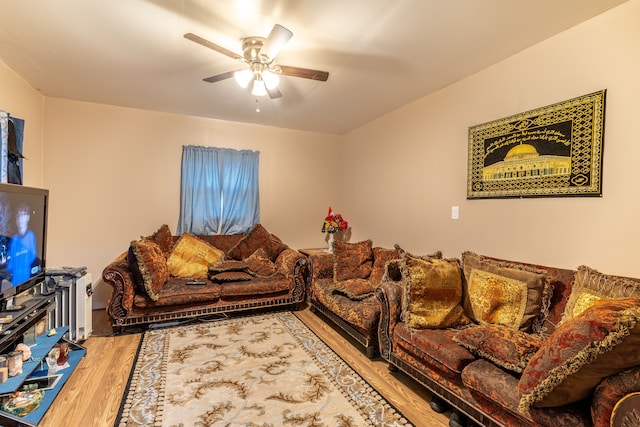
257,105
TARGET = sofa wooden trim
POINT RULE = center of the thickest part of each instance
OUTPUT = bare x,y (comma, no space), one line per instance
174,315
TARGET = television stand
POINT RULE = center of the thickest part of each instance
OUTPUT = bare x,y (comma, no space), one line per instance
36,308
15,323
17,307
34,370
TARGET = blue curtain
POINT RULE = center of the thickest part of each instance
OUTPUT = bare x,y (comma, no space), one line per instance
219,191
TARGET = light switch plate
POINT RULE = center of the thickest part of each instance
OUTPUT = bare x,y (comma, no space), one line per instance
455,212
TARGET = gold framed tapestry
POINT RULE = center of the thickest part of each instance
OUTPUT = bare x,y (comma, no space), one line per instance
550,151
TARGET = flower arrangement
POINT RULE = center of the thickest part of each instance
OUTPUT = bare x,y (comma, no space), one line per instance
334,222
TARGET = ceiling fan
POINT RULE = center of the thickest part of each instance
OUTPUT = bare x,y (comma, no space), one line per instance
258,54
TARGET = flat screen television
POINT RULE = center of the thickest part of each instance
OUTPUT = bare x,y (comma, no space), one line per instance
23,238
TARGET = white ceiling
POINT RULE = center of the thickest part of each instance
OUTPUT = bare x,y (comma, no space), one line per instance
381,54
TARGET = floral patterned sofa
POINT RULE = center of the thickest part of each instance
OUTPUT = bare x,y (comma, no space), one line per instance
513,344
342,287
165,278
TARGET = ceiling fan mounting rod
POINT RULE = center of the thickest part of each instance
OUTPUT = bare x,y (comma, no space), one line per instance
258,67
251,47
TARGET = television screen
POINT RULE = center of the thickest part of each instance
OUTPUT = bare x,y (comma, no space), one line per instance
23,225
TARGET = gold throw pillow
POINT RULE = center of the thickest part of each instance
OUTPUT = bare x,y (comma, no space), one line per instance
591,286
191,257
433,292
496,300
499,290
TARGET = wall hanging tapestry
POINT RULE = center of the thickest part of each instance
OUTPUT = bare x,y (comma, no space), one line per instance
550,151
262,370
11,136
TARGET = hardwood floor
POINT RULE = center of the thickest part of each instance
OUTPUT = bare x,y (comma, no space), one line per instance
401,391
92,395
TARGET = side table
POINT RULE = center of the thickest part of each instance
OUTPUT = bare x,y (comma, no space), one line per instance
317,258
314,251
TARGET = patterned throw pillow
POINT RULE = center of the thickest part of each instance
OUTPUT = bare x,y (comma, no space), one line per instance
433,293
230,276
228,265
191,257
352,260
505,293
393,268
257,238
380,258
591,286
164,239
259,263
354,289
149,267
496,299
601,341
508,348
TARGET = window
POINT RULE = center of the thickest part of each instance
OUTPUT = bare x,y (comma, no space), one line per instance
218,191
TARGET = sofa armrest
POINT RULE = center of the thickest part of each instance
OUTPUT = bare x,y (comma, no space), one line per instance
389,296
321,267
119,276
301,277
627,411
293,265
609,392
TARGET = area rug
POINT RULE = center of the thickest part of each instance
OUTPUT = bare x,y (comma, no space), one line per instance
265,370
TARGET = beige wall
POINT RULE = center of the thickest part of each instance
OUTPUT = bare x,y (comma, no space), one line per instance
409,167
114,172
114,175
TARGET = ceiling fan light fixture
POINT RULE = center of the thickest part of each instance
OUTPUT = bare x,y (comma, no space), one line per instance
271,79
259,88
243,77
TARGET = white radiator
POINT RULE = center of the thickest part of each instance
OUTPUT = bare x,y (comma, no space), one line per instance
73,297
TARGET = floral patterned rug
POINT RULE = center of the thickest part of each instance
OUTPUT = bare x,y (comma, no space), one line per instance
265,370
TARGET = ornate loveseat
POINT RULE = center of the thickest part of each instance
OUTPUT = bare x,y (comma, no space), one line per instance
342,287
165,278
513,344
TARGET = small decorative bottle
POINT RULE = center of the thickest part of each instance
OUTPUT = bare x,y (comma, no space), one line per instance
14,361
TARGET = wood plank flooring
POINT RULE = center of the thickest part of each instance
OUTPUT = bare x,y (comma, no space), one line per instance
92,395
401,391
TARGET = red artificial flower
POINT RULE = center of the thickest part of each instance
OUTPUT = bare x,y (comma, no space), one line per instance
334,222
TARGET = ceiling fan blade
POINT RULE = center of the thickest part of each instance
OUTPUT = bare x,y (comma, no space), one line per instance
211,45
278,37
219,77
274,93
305,73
